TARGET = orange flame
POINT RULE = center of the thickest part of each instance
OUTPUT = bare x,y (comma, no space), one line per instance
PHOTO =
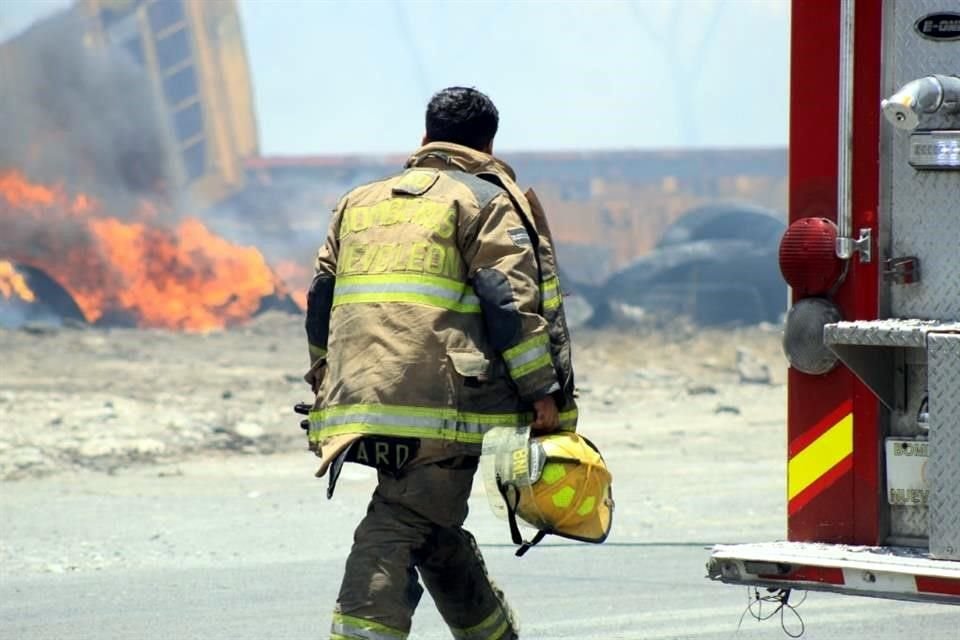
183,277
12,283
297,277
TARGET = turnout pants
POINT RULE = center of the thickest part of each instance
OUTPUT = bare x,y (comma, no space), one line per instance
413,530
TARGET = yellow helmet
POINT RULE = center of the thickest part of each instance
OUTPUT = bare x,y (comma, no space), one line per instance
556,482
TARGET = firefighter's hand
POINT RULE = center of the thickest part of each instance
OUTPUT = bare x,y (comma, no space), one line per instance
546,416
314,377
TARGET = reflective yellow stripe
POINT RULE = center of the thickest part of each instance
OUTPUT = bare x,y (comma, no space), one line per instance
407,298
397,431
404,278
409,422
317,352
525,346
488,621
542,362
499,631
496,419
551,284
820,456
417,415
528,356
550,294
388,409
406,288
498,620
362,629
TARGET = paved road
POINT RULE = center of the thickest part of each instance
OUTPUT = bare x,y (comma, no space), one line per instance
246,548
647,592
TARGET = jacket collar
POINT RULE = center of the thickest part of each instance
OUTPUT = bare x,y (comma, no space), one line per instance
446,155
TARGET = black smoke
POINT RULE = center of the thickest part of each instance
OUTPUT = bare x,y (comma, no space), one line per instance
80,114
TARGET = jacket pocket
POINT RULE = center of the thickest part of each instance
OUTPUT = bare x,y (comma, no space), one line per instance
472,365
480,384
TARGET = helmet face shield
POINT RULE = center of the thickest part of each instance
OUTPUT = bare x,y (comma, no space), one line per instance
507,461
557,483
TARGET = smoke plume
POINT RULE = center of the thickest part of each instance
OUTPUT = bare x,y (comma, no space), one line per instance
80,115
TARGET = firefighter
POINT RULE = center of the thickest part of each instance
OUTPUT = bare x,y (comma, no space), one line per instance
434,315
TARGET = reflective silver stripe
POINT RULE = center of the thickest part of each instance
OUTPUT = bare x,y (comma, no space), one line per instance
550,293
550,288
408,287
524,346
468,423
527,357
402,421
351,627
410,422
530,355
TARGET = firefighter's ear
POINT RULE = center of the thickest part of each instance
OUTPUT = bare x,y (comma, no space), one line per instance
425,141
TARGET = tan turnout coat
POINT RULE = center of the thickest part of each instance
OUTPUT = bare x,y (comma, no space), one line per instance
435,311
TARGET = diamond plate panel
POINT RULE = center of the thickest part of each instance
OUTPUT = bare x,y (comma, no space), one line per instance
943,471
908,521
923,215
891,332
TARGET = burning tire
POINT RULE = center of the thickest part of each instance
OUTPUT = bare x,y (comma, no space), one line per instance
725,222
717,265
29,295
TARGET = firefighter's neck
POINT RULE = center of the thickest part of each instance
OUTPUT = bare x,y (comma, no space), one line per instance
488,149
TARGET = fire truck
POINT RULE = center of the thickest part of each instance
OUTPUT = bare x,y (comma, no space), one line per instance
872,336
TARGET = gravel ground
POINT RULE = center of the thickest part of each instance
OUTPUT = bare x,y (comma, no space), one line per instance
107,399
130,448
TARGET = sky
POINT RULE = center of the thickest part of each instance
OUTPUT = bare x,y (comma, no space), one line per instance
340,76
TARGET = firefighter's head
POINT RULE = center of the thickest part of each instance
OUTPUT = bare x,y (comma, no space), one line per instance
463,116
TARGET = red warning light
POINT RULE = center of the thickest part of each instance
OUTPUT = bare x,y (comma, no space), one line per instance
808,259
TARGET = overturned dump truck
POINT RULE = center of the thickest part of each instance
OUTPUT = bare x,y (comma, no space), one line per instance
716,265
873,335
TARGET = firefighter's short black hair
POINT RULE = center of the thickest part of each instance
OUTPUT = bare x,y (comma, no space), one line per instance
462,115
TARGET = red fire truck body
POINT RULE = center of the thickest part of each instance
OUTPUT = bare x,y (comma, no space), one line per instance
872,255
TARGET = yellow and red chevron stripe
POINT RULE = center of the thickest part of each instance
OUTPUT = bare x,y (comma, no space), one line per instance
819,457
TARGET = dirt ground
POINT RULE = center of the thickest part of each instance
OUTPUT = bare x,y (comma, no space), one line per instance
80,408
107,399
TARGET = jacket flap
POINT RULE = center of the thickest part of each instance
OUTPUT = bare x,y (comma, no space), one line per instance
416,182
469,363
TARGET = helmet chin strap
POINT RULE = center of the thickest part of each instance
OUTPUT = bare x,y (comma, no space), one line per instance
511,497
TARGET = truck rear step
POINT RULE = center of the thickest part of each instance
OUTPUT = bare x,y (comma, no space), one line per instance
902,573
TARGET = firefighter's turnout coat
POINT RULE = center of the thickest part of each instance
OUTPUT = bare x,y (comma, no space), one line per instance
436,310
